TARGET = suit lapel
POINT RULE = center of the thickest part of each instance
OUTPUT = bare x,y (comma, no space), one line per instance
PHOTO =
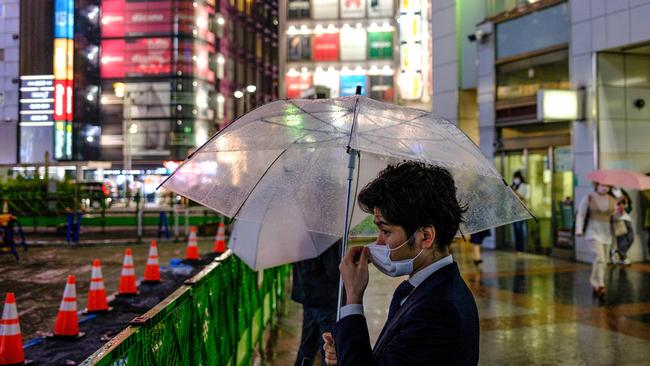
425,288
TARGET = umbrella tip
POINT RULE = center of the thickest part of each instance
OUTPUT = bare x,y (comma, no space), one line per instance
358,90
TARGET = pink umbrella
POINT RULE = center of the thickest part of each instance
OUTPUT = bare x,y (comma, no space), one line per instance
620,178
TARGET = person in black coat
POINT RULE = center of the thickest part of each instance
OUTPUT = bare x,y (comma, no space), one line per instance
432,319
315,286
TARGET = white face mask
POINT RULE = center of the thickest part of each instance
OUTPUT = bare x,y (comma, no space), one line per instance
516,181
617,192
380,256
602,189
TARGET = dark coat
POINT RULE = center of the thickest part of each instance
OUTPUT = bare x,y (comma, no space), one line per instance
437,325
316,281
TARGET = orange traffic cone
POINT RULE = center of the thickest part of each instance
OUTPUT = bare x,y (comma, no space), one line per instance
192,250
127,279
11,342
66,324
97,301
220,239
152,271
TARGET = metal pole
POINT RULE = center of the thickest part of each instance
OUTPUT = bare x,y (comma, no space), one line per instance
344,246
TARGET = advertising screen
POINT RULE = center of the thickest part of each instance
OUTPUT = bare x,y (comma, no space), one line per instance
148,56
64,19
329,79
297,83
149,100
36,99
410,84
411,56
298,9
381,88
380,8
112,60
63,59
353,9
148,18
353,44
326,9
326,47
409,6
380,45
299,47
112,18
349,84
409,27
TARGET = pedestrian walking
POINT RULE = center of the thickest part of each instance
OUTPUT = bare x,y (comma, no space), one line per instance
520,188
476,240
622,227
594,220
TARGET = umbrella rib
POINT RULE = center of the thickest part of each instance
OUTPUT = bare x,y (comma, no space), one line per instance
309,114
354,120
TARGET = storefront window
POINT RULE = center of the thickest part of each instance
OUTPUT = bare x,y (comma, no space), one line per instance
534,31
519,79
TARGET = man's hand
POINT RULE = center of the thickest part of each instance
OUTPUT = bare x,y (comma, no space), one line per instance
330,349
354,271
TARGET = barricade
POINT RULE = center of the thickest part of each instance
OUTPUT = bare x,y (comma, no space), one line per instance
217,318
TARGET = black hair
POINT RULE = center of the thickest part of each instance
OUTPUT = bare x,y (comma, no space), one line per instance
520,176
414,195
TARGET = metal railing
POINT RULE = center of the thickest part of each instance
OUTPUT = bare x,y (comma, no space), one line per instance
218,317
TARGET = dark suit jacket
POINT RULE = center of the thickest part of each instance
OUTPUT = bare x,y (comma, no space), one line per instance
436,325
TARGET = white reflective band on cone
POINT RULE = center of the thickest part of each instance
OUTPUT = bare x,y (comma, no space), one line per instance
128,272
96,285
96,273
9,329
68,306
10,312
70,291
152,261
128,260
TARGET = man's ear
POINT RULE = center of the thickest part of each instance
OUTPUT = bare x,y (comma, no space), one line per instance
429,239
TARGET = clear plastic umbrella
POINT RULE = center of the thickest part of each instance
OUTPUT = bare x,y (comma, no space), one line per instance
282,172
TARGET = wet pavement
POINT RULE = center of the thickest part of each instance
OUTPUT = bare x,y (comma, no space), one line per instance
38,278
534,310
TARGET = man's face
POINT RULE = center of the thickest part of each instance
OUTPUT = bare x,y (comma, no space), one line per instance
393,236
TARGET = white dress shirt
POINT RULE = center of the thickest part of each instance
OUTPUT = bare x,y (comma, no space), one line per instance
415,280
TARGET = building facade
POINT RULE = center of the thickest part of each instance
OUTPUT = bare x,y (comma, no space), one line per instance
9,76
592,53
329,47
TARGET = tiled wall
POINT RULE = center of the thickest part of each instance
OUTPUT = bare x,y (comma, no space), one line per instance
9,71
599,25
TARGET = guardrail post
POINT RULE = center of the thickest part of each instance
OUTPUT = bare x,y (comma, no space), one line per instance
176,229
139,222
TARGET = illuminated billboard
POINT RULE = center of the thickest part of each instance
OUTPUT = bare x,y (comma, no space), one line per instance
63,78
353,44
64,19
326,47
328,78
296,83
349,84
36,101
299,47
353,8
380,45
326,9
380,8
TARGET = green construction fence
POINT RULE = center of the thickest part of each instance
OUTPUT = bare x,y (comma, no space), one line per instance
218,317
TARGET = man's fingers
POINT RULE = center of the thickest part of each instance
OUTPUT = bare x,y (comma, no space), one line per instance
327,338
352,254
365,258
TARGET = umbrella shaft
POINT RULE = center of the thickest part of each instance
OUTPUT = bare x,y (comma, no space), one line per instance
346,227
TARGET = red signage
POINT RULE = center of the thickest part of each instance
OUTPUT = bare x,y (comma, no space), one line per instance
63,100
296,84
326,47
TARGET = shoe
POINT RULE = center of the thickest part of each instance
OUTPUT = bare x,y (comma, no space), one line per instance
626,262
477,262
602,292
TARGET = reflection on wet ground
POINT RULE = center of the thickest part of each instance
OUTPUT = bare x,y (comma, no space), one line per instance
534,310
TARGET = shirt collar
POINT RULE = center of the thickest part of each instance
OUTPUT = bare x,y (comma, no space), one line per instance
427,271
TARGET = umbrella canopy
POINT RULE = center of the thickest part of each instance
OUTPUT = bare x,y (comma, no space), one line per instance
620,178
281,171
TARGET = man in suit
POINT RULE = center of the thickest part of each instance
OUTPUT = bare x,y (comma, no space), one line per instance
432,317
